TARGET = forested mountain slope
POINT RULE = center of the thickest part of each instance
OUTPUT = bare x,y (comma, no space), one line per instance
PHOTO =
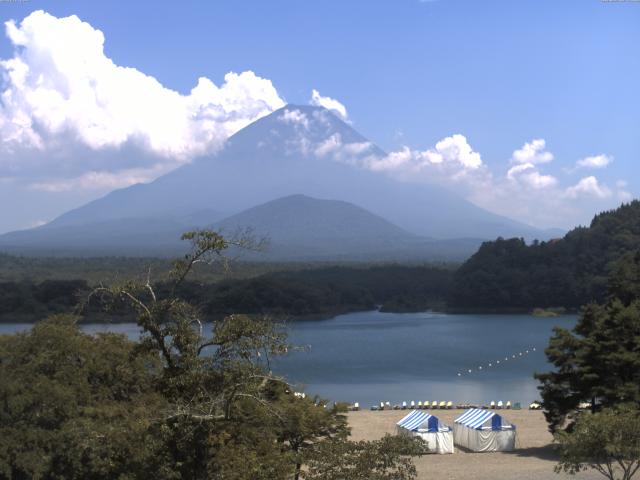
567,272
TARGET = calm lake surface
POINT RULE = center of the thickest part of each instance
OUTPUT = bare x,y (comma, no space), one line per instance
369,357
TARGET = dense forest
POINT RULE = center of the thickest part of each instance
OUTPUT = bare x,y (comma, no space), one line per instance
567,272
109,269
290,294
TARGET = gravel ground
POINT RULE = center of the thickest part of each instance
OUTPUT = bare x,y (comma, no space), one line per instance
534,457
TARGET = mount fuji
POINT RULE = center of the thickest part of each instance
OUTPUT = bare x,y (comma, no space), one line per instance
302,154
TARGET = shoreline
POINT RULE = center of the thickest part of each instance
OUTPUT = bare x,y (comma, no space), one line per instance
283,318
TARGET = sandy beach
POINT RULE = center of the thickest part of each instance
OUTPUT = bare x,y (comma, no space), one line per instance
533,458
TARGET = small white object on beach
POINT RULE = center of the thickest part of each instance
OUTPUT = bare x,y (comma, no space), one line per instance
480,367
490,365
469,370
459,374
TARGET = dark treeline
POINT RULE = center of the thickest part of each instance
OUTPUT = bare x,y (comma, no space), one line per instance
568,272
303,293
28,301
109,269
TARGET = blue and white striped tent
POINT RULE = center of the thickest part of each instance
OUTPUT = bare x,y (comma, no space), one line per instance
477,418
484,431
418,420
439,437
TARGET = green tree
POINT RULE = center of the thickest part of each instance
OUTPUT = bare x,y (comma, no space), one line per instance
599,360
75,406
608,442
386,459
302,422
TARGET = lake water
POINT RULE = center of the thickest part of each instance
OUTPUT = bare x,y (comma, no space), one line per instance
369,357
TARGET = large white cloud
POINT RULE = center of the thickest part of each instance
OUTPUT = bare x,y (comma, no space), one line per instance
60,90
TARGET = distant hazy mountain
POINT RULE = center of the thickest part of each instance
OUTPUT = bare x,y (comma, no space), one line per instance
302,220
297,227
295,150
141,236
303,228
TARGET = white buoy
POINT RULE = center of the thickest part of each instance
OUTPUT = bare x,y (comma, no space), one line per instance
469,370
480,368
498,361
459,374
490,365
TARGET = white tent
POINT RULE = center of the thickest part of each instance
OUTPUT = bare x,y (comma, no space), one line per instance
439,437
484,431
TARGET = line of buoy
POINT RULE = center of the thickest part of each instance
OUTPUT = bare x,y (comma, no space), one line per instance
497,362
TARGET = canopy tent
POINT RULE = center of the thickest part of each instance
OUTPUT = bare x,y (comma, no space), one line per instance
484,431
439,437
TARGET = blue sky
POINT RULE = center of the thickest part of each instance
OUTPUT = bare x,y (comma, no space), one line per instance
410,73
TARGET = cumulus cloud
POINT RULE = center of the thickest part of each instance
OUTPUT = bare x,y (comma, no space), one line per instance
596,161
523,191
451,162
528,175
586,187
533,153
525,171
329,103
61,90
452,155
